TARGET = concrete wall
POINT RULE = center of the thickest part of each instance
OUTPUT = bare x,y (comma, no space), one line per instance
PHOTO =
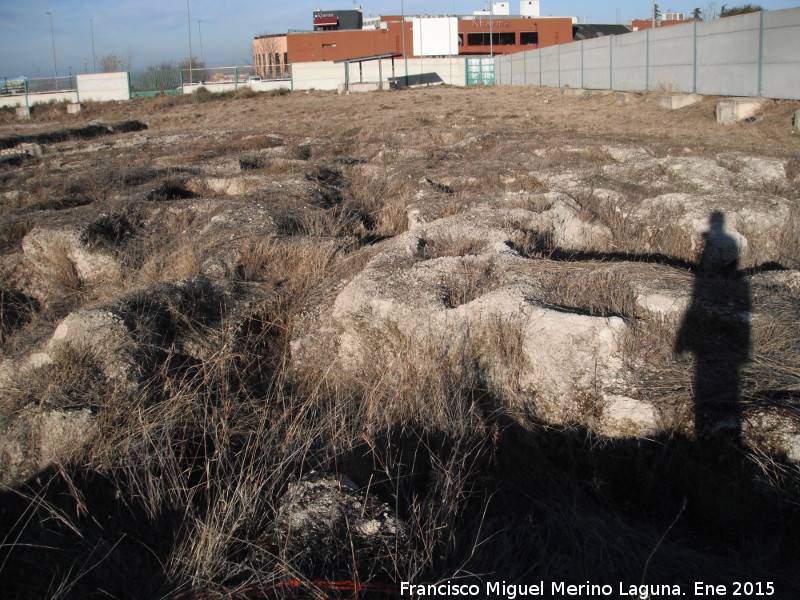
103,86
328,75
32,99
258,86
756,54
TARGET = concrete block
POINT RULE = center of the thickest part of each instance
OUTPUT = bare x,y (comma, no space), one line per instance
23,112
796,120
575,92
676,101
730,110
73,108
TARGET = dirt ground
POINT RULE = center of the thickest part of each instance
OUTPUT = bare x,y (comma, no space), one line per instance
525,110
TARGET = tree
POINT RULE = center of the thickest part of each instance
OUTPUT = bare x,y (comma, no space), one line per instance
114,63
656,12
697,14
194,69
164,65
739,10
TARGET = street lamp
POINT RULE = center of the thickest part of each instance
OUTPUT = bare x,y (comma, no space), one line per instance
53,40
94,56
189,20
403,35
200,35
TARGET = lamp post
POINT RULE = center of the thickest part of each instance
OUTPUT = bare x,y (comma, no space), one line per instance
189,20
653,22
200,35
53,40
491,31
403,35
94,55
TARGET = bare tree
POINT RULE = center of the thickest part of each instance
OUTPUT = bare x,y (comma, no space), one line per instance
114,63
198,69
266,52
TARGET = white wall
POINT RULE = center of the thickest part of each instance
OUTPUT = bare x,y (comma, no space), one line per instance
19,100
329,75
103,86
435,36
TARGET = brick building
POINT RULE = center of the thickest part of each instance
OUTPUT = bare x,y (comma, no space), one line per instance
432,36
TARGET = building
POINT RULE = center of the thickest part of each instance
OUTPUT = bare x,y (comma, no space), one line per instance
584,31
346,34
676,18
432,36
338,20
271,56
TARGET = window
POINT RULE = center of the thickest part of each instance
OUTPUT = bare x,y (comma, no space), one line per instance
497,39
529,38
508,38
477,39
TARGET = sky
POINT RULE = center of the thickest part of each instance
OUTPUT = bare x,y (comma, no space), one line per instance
154,31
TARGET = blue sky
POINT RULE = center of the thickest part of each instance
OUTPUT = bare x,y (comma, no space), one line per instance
152,31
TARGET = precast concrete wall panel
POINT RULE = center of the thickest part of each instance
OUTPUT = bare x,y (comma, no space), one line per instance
318,75
103,86
518,68
630,62
503,73
597,63
671,58
550,75
727,56
733,56
781,54
571,65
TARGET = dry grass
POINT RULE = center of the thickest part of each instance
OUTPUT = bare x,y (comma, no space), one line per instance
596,293
470,280
447,245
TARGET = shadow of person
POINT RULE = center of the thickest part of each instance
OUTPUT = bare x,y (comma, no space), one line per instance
716,329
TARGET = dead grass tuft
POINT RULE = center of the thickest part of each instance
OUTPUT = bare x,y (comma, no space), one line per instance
447,245
603,294
472,279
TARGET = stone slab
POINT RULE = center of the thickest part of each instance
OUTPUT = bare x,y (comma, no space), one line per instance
676,101
796,120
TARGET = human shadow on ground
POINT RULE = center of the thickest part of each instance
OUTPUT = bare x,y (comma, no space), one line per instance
716,330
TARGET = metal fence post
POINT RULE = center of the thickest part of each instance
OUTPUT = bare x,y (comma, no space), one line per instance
236,79
694,58
647,61
582,84
26,94
524,68
539,51
760,52
610,62
559,65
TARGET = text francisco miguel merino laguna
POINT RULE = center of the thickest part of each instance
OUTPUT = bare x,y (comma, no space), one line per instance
560,589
